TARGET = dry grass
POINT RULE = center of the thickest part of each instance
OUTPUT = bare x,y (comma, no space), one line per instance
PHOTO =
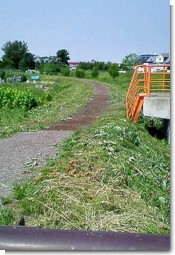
69,201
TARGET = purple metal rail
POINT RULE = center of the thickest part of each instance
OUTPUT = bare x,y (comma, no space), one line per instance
33,239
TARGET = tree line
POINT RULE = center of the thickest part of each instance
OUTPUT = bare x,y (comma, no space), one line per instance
17,56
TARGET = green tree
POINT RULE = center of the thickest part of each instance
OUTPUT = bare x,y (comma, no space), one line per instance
16,55
123,67
23,65
95,72
29,60
86,65
7,63
14,52
2,74
130,61
63,57
113,70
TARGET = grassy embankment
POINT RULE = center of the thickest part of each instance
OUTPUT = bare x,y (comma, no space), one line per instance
111,175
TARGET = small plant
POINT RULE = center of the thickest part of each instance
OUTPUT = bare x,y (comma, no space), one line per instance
153,122
155,127
6,200
48,97
6,216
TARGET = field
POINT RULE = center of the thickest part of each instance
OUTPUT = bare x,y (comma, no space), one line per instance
112,175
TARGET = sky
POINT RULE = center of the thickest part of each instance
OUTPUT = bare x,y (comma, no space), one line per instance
103,30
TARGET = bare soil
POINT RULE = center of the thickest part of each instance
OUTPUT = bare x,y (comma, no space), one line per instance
87,115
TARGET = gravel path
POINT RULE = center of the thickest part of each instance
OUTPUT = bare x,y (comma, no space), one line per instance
23,151
32,149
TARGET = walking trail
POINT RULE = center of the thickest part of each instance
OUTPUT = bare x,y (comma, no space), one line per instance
32,149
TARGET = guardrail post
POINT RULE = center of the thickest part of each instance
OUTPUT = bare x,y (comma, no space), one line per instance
149,81
145,78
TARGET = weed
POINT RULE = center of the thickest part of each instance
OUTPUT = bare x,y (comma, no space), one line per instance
6,200
6,216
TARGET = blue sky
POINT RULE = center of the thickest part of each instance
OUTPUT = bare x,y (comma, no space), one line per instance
104,30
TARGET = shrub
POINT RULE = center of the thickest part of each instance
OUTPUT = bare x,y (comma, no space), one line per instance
80,73
114,71
95,72
65,71
51,69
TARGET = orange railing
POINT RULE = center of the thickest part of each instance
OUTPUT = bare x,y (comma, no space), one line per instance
146,79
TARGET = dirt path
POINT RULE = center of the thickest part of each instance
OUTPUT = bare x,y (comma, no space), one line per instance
32,149
87,115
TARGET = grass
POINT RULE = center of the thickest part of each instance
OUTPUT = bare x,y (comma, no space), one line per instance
111,175
61,99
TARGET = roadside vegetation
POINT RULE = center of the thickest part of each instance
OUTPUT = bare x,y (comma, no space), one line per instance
30,106
112,175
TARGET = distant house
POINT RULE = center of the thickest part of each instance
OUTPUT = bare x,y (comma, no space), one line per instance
167,61
73,65
162,58
148,59
151,59
143,58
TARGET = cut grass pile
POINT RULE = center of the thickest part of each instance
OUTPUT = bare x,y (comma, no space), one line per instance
111,175
85,201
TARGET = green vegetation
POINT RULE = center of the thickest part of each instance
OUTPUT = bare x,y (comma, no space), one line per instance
113,71
111,175
6,216
95,72
80,73
130,61
65,71
18,58
12,98
51,69
2,74
101,66
55,98
63,57
16,55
